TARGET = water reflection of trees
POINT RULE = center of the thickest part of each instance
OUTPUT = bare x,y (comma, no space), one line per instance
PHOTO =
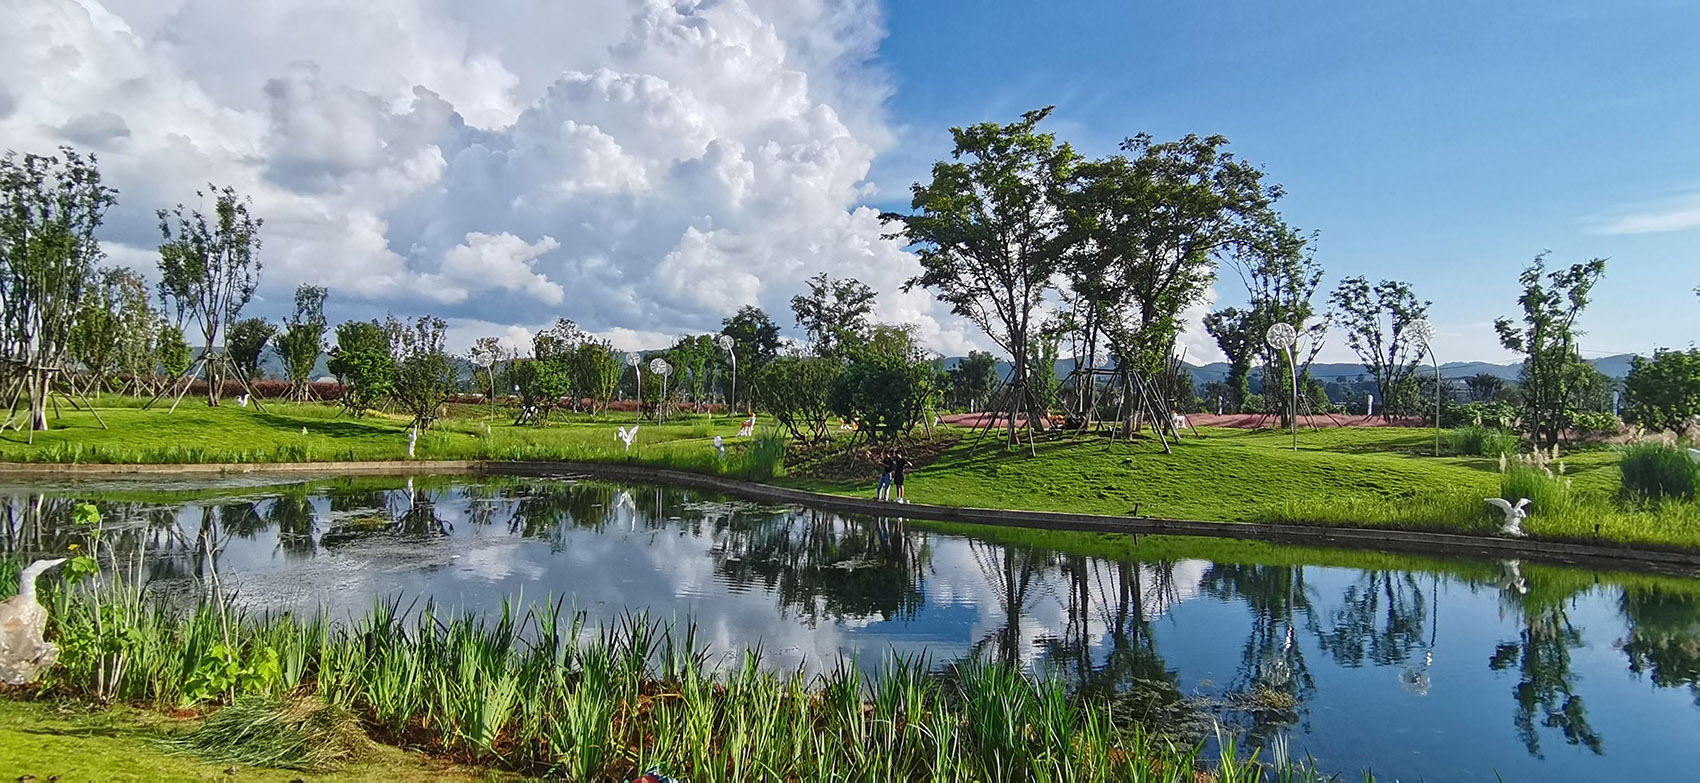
1107,647
1273,680
1663,642
1541,656
822,565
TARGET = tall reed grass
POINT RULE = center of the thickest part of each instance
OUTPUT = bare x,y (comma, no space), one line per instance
539,692
1654,471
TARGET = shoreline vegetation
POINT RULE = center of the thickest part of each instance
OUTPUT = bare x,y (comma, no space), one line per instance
536,691
1351,476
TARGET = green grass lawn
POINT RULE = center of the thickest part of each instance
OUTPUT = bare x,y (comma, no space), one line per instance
48,739
1357,476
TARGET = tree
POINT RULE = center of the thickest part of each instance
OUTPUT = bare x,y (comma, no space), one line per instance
542,384
1379,323
209,272
971,380
797,390
755,340
691,358
174,352
485,354
886,385
424,376
990,237
245,340
598,369
1233,330
363,363
1145,233
1551,301
138,326
50,207
834,313
1281,277
1484,387
302,340
97,335
1663,393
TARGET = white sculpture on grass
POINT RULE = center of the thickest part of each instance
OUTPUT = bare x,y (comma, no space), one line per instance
242,401
720,447
412,440
1514,515
24,654
749,427
627,436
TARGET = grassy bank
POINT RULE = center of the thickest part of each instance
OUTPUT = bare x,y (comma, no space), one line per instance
540,694
1360,477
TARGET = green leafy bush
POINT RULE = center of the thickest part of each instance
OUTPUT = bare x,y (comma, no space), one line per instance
1548,493
1501,415
1653,471
1595,423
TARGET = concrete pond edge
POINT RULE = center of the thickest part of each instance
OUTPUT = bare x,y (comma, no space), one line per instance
1621,557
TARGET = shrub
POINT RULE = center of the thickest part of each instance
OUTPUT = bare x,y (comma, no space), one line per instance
1663,393
766,455
1501,415
1652,471
1253,404
1548,494
1594,423
1475,441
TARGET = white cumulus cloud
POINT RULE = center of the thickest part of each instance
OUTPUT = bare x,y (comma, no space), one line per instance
644,167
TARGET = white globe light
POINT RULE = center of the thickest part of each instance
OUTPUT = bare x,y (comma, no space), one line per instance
659,366
633,360
1423,331
1281,336
724,341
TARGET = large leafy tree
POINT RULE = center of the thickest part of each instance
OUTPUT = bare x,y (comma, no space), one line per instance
209,270
972,379
97,336
50,207
1551,301
1233,330
834,313
887,384
598,371
424,374
1663,392
1378,321
797,390
302,339
138,326
246,341
363,363
485,354
1282,276
990,235
755,341
1146,230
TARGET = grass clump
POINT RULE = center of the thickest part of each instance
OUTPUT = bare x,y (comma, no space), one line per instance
293,732
1654,471
1548,492
1477,441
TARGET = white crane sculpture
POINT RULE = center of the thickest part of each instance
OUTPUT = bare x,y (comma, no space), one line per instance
627,436
720,447
1514,515
24,655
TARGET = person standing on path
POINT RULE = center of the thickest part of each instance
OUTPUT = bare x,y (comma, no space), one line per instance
884,490
899,466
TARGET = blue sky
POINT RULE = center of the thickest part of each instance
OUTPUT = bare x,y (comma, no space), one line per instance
1442,143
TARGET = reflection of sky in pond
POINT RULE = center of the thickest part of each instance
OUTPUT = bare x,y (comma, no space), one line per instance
1455,672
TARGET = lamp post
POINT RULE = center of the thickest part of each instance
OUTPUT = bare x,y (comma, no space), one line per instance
1424,332
660,367
1282,337
635,361
726,344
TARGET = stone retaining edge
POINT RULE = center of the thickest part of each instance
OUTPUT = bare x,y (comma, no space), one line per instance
1409,541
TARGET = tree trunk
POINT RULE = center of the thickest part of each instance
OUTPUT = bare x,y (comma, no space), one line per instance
211,371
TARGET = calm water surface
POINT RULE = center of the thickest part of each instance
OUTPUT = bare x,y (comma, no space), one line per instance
1417,669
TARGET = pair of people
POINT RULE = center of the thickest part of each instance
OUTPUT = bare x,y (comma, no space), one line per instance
893,466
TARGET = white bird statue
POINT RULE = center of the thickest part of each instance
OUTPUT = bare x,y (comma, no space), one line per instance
24,655
242,401
412,438
627,436
720,447
1514,515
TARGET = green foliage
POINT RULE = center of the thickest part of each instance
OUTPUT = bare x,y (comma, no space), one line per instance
1551,301
1485,387
692,359
1653,471
1501,415
1379,323
598,370
363,362
798,392
970,382
1663,393
1594,423
834,313
1473,440
50,208
886,385
245,340
1253,403
1548,492
765,457
303,338
174,352
424,376
542,385
210,271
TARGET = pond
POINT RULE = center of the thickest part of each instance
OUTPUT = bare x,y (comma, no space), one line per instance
1417,668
